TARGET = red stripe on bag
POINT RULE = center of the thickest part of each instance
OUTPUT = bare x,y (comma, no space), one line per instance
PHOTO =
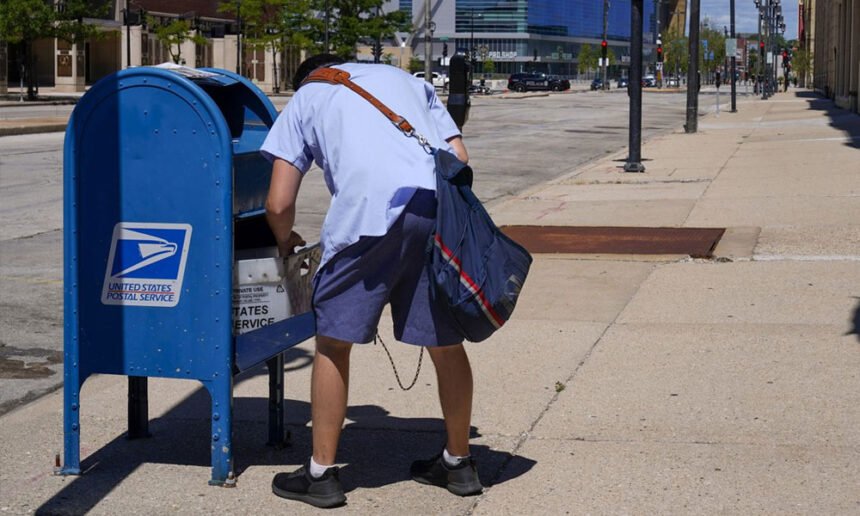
467,281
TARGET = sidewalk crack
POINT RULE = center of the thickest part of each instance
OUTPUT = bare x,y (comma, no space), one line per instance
524,436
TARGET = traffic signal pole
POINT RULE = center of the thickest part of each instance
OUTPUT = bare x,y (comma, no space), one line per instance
604,47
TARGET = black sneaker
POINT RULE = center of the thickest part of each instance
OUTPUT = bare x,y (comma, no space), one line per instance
323,492
461,479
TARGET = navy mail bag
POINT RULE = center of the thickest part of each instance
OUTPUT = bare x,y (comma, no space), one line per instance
476,270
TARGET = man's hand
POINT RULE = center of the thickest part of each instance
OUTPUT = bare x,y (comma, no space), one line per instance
287,248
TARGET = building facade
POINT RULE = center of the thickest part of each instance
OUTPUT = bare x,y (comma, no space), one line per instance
127,39
836,67
527,35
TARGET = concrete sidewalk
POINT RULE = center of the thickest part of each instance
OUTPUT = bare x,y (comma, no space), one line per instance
624,384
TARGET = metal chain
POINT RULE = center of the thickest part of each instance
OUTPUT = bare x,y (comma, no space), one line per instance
394,367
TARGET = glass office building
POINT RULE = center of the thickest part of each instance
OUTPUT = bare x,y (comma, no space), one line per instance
524,35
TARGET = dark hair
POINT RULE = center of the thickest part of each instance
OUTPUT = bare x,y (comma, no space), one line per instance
312,63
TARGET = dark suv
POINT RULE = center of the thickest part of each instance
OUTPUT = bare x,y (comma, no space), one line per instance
537,81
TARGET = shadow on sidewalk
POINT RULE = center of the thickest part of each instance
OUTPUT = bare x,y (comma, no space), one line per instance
377,447
841,119
855,321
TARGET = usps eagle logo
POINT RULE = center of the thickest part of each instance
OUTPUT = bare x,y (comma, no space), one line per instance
146,264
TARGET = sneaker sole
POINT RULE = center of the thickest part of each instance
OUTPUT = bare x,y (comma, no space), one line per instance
457,489
321,501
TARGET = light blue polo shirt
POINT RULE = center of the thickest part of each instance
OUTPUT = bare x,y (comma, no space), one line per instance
371,168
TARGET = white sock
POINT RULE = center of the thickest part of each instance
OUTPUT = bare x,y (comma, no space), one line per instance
452,460
317,470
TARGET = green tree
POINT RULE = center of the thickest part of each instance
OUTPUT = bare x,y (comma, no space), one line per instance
24,21
716,44
173,34
676,53
275,25
610,56
416,65
489,66
753,61
801,65
587,58
352,21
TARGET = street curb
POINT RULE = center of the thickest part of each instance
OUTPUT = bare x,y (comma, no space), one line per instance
34,129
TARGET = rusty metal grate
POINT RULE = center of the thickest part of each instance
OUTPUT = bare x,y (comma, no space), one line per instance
696,242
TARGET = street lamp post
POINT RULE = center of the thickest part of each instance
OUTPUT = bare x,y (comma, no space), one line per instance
770,22
472,37
472,44
634,156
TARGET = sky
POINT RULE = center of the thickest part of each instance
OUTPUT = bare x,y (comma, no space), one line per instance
746,15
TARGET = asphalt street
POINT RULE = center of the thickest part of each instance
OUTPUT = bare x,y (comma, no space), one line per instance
561,132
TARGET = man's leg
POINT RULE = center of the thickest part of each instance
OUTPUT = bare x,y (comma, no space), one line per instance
454,376
317,483
454,470
329,390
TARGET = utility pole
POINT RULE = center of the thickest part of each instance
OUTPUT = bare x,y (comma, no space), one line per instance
127,21
692,124
734,59
428,72
326,25
658,41
604,54
239,37
634,157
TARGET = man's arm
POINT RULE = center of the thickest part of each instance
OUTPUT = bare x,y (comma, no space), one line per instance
281,205
456,143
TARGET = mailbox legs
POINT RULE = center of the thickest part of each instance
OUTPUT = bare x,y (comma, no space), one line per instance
138,407
277,434
221,440
71,422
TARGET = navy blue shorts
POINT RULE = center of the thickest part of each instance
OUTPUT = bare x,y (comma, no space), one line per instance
353,287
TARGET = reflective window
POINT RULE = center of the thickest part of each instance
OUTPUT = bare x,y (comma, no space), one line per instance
576,18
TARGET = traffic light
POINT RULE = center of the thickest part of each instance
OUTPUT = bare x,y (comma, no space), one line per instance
603,49
444,50
659,52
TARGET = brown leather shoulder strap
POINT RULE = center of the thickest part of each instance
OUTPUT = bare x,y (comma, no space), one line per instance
335,76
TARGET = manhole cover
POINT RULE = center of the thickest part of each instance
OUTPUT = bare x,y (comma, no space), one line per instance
696,242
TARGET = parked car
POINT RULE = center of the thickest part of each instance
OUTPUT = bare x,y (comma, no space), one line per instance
672,82
597,84
622,82
649,81
537,81
439,80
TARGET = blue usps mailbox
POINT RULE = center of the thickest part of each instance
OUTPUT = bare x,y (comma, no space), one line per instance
163,182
